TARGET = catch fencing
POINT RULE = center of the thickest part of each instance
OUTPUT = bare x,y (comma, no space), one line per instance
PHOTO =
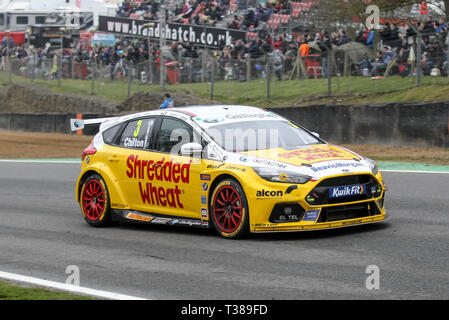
290,78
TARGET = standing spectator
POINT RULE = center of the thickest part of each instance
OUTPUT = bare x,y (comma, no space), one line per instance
325,47
304,48
278,61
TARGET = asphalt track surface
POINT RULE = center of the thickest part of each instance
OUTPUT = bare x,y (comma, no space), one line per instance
42,232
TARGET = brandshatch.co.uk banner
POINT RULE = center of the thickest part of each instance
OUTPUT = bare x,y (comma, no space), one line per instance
202,36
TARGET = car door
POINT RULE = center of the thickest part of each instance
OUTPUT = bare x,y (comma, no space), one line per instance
128,158
175,185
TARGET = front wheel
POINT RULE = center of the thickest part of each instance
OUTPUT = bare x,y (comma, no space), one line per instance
94,201
229,209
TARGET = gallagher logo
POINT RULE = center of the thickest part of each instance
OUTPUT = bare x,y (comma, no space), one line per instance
269,194
159,171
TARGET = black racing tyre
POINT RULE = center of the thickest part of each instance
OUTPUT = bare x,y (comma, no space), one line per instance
95,202
229,209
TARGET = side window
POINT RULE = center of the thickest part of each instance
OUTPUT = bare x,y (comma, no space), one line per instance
22,20
173,134
110,134
137,134
41,19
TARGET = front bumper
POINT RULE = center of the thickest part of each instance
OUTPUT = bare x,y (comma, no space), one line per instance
296,227
296,211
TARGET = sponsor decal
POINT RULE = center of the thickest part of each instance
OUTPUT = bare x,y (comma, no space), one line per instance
213,120
133,143
211,166
347,191
118,205
77,124
204,186
311,215
244,159
338,165
235,168
161,220
87,160
205,177
204,200
190,223
138,217
160,171
313,154
251,115
204,213
269,163
269,194
349,223
296,148
266,225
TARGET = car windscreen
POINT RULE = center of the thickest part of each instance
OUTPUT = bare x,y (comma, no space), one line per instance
260,135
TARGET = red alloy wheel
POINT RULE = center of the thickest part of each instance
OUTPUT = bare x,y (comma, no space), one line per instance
93,200
227,209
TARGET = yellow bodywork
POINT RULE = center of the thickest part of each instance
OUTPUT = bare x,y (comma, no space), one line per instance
153,182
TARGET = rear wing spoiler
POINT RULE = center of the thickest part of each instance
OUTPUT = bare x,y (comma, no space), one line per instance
79,124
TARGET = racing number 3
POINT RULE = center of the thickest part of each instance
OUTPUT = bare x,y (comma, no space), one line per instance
136,132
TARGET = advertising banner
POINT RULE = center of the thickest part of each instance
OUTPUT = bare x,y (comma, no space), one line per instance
202,36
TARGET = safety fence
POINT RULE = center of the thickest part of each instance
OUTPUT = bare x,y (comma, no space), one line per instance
280,78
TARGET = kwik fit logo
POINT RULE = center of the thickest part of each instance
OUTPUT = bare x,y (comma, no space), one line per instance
347,191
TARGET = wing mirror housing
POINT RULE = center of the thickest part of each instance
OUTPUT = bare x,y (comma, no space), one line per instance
190,149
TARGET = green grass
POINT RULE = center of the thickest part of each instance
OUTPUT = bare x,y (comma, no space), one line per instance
14,292
351,90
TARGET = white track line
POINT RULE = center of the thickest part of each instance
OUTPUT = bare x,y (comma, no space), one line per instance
413,171
40,161
67,287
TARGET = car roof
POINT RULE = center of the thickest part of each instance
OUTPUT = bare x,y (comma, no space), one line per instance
216,110
206,115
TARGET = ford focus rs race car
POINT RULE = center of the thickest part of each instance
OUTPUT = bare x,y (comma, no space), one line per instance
233,168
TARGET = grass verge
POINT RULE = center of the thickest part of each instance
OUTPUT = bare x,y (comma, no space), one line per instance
348,90
14,292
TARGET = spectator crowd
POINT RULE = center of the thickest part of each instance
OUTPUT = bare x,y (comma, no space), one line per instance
395,45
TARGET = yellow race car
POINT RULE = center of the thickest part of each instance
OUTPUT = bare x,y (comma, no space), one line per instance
237,169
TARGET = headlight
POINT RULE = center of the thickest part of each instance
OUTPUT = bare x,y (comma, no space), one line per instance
373,166
281,176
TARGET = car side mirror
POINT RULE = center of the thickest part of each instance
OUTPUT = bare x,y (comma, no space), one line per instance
190,149
316,134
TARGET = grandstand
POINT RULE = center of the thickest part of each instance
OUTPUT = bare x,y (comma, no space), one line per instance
277,16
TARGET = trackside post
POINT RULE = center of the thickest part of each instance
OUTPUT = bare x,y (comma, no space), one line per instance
79,116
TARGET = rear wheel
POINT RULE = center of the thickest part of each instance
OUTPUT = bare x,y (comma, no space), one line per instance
229,209
94,201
